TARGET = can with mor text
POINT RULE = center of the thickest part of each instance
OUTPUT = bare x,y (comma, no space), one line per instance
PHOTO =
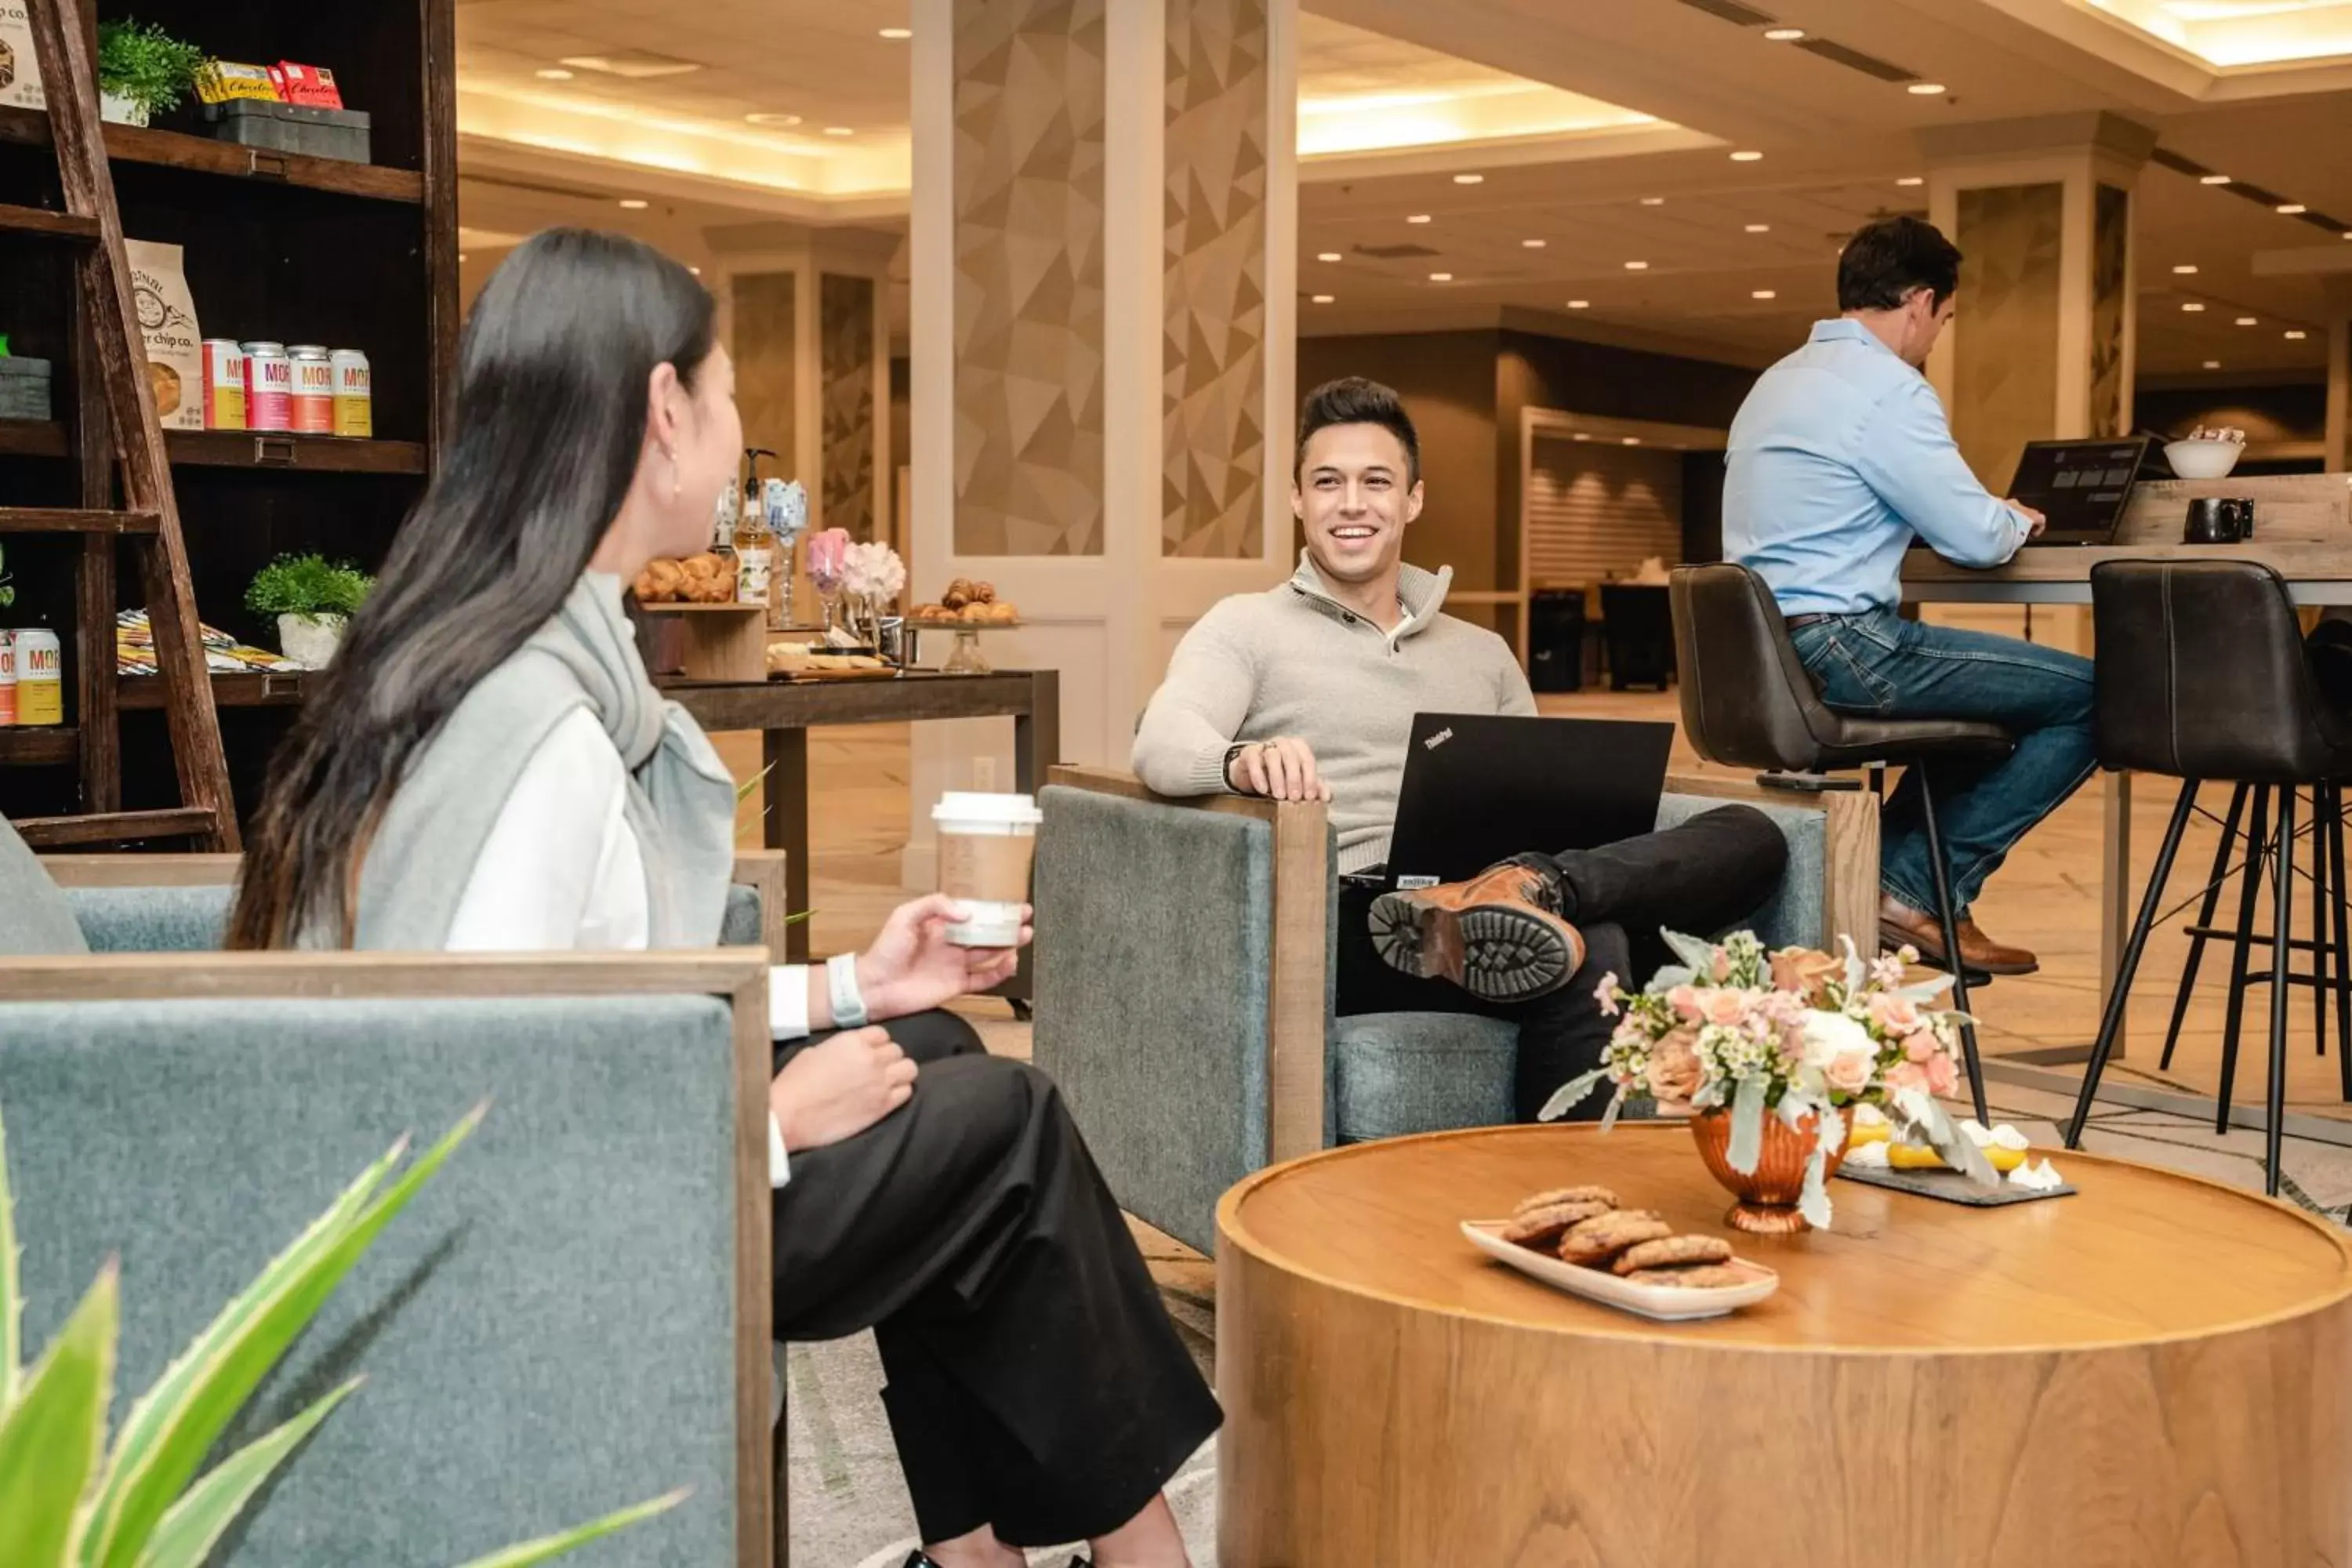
268,387
313,400
223,384
354,394
41,678
7,679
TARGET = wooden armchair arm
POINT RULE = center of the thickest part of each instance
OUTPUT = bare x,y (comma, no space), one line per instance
738,974
1850,841
1299,987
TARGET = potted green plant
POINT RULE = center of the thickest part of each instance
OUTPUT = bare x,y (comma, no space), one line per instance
7,584
143,70
311,599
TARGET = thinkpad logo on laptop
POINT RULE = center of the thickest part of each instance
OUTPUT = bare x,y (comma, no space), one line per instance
1437,739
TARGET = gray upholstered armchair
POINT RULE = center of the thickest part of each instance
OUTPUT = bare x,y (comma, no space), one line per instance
575,1315
1184,1000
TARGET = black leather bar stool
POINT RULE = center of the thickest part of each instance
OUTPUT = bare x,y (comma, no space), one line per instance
1748,702
2202,674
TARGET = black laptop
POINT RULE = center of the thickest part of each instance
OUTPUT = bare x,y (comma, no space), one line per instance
2082,486
1478,789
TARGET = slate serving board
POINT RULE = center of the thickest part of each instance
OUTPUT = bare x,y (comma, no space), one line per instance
1951,1187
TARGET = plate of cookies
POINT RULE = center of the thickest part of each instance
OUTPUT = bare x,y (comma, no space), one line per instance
1579,1239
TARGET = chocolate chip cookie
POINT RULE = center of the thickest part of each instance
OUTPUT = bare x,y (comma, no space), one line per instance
1667,1251
1601,1195
1541,1227
1597,1240
1693,1277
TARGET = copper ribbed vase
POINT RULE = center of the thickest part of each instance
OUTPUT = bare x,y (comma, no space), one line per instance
1768,1196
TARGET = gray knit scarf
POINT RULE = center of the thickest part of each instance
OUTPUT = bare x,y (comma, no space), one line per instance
680,804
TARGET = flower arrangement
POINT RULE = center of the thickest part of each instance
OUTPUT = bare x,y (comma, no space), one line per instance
872,574
1795,1033
828,551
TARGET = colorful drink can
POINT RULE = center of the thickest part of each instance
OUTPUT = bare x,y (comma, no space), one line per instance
268,387
313,401
223,384
354,394
41,678
7,679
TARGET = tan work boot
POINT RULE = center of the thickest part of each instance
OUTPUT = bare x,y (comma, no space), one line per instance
1898,924
1498,936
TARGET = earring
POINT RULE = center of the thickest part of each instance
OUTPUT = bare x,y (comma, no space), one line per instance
677,479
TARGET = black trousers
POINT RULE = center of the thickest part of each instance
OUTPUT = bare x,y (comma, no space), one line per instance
1697,876
1036,1383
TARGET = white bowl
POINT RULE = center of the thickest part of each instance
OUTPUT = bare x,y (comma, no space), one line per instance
2202,459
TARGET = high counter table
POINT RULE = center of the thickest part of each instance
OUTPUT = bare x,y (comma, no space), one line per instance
2302,530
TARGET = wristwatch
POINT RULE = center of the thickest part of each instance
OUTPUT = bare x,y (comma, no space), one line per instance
1235,750
841,984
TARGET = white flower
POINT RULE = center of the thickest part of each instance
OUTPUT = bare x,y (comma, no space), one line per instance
873,571
1829,1035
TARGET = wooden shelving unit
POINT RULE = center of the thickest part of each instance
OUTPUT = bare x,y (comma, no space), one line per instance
46,745
298,249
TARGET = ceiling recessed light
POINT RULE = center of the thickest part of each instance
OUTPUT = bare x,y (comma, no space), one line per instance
1533,244
1912,180
2186,269
635,203
1579,304
1925,89
2193,305
773,120
695,270
839,131
1760,228
1322,299
2291,209
1653,201
2212,179
895,34
1440,277
1763,293
1327,256
2212,364
2297,333
1784,35
1637,267
553,73
1469,179
1416,217
2249,321
1630,440
461,256
1584,435
1746,156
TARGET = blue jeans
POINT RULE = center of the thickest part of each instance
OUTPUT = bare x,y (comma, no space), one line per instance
1882,666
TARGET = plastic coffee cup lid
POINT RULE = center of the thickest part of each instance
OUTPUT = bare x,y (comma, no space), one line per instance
993,809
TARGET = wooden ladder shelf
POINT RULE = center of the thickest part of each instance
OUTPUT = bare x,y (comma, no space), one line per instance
150,518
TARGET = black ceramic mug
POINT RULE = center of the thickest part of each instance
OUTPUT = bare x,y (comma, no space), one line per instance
2211,521
2238,514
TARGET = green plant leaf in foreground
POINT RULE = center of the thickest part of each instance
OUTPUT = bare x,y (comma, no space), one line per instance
51,1437
548,1546
197,1522
176,1432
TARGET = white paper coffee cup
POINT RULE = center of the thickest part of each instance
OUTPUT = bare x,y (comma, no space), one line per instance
987,844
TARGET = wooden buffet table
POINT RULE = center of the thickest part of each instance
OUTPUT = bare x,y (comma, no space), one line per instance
2302,530
2149,1374
784,711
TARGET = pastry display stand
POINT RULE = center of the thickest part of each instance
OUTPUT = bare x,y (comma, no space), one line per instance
965,658
2150,1373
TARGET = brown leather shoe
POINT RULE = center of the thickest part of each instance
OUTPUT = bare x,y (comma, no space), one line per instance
1898,922
1499,936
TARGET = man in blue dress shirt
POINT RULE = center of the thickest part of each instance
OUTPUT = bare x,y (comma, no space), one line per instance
1838,459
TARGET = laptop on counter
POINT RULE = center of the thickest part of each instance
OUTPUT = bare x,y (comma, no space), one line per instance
1480,788
2082,486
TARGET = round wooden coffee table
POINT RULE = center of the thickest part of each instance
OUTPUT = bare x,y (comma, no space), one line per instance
2150,1375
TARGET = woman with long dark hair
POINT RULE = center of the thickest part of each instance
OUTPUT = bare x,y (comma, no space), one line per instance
487,766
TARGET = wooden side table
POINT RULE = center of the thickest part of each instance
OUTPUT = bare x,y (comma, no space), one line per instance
2149,1374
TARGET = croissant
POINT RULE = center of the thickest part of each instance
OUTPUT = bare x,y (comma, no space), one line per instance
984,592
703,566
659,582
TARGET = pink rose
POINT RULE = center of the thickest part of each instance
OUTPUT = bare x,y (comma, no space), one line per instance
1807,972
1684,1000
1723,1008
1675,1071
1907,1075
1896,1015
1851,1072
1943,1078
1923,1046
1722,966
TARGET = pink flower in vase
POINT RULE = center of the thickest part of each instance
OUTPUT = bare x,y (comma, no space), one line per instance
1895,1014
828,552
1724,1007
1684,1001
1907,1075
1923,1046
1850,1073
1943,1078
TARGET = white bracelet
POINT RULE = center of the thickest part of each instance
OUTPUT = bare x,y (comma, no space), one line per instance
841,981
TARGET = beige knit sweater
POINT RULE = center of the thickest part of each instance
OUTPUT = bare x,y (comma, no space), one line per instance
1293,661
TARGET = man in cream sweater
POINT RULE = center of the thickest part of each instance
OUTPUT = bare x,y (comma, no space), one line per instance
1309,692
